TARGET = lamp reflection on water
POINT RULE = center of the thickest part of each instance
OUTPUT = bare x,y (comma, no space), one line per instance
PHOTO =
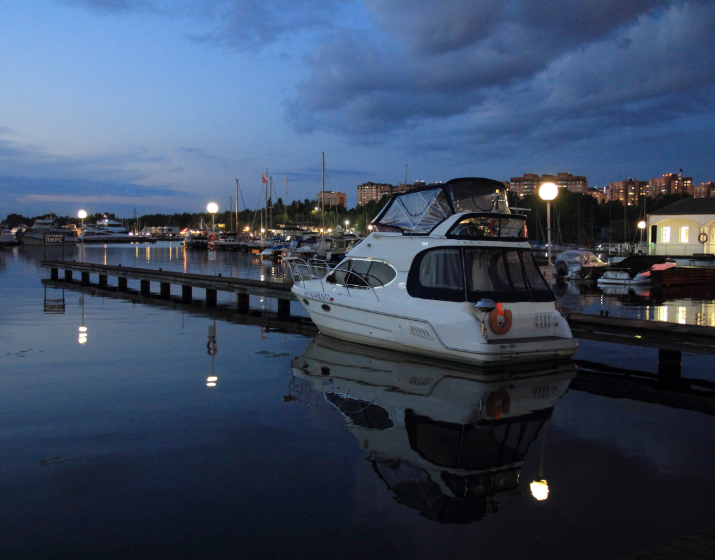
82,329
211,350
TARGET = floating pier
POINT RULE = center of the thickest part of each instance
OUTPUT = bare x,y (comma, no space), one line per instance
242,287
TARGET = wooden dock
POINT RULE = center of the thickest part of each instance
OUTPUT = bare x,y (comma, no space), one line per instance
242,287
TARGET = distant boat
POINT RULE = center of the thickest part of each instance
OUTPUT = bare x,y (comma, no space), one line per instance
36,234
106,231
6,237
635,270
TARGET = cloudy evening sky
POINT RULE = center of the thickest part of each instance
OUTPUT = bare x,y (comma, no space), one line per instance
161,105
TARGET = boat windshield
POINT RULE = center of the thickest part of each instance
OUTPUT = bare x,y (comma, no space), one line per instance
419,211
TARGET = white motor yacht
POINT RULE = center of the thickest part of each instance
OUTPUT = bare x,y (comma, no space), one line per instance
447,272
36,234
105,231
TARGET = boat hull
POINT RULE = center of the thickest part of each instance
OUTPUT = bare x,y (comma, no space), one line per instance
35,241
452,336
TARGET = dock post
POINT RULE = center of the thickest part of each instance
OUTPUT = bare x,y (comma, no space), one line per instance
669,368
54,274
121,284
102,280
85,278
210,297
145,288
165,290
284,309
68,276
186,294
242,300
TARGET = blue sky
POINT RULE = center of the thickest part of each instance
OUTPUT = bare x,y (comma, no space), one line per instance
109,105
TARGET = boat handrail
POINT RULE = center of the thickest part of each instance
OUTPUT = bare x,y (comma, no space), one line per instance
367,284
301,270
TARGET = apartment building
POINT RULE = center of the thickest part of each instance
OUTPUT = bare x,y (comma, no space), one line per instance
706,190
669,183
332,198
627,192
375,191
529,183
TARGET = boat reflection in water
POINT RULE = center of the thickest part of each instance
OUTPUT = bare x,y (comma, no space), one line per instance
447,440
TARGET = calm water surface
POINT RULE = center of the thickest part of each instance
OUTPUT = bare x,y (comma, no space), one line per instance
127,433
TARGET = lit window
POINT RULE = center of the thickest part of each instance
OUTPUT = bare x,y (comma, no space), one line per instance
666,235
684,234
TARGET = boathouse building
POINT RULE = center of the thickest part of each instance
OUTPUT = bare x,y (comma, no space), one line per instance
683,228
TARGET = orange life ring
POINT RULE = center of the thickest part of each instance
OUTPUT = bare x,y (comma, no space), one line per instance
500,320
212,241
498,403
703,237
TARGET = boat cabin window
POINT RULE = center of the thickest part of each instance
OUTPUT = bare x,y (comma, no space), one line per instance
362,273
470,274
488,226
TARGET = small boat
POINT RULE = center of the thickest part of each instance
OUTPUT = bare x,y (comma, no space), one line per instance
635,270
333,249
579,264
446,272
6,237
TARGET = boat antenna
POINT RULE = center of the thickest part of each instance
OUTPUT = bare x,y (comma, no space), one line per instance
322,201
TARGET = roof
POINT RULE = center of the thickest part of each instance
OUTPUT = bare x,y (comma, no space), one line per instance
687,206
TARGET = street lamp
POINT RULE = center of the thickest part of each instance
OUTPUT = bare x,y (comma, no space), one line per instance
548,192
641,226
347,223
212,209
82,215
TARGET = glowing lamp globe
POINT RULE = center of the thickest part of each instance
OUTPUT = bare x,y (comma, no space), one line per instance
212,208
548,191
81,214
540,490
641,224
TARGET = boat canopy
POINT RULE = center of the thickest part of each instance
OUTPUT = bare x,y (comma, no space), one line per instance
420,210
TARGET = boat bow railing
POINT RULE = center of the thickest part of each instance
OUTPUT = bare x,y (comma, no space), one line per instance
317,269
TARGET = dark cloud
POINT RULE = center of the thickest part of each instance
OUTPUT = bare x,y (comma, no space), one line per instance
527,70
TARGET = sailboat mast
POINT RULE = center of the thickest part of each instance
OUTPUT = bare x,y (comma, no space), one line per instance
236,206
322,201
270,221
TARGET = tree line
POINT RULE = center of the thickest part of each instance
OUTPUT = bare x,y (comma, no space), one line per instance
575,217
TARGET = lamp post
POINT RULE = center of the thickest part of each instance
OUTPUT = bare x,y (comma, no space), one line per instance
347,223
548,192
82,215
212,209
641,226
